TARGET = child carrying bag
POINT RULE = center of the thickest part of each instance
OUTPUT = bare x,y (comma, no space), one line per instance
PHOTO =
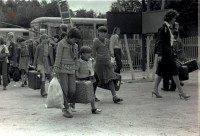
55,95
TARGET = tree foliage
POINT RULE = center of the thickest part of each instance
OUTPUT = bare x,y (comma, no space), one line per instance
22,12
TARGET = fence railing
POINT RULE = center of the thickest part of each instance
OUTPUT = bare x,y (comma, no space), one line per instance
190,49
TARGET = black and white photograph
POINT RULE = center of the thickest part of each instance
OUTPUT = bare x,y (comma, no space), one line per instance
99,67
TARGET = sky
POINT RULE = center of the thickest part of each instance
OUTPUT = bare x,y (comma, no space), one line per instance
97,5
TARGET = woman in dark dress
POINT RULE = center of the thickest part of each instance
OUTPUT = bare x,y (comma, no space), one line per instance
103,67
167,65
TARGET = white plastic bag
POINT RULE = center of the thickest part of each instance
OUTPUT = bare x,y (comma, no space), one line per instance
112,60
55,95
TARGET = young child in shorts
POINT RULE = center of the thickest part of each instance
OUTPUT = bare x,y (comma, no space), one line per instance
85,71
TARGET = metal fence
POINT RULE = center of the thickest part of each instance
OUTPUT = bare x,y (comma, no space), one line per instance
135,47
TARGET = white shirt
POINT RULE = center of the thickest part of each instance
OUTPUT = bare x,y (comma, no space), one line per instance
171,34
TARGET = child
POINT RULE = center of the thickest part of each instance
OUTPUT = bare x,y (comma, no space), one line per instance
3,62
65,66
85,71
23,60
43,60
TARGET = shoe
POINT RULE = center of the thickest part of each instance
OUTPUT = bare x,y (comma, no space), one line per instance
67,114
164,89
182,84
25,82
96,111
44,94
22,85
72,107
4,88
97,100
185,96
156,94
117,99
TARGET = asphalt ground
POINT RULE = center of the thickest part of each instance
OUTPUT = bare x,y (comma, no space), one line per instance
22,112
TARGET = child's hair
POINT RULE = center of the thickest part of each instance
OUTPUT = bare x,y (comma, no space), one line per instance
1,40
43,36
102,29
63,28
115,30
74,33
20,39
85,49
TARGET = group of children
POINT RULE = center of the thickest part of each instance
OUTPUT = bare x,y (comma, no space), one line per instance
19,54
71,64
62,57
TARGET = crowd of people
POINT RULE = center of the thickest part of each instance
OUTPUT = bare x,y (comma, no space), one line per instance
61,56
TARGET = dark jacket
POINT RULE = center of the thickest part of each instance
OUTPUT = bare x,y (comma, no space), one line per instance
3,55
163,45
12,52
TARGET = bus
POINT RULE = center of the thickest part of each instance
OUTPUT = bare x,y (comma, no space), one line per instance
18,32
87,26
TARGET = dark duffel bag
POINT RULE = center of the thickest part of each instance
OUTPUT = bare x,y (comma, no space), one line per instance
183,73
117,83
34,79
16,75
192,65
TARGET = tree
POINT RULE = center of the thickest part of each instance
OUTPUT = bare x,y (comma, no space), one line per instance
127,6
85,14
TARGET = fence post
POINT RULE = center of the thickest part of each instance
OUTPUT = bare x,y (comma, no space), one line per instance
129,57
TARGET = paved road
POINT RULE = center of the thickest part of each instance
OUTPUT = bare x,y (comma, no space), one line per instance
22,113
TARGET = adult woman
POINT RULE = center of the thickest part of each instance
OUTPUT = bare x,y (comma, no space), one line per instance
3,62
167,65
67,52
103,67
116,48
43,60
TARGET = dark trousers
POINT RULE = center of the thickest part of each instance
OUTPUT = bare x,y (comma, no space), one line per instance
166,84
3,69
117,54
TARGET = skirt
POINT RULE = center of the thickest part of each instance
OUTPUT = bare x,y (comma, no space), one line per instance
24,63
167,67
105,71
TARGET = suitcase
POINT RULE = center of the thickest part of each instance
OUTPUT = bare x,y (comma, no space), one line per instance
84,92
183,73
192,65
34,79
117,83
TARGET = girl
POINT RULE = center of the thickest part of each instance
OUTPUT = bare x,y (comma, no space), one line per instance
24,60
116,48
67,52
85,70
103,67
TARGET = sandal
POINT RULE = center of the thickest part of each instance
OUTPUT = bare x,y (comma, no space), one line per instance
96,111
